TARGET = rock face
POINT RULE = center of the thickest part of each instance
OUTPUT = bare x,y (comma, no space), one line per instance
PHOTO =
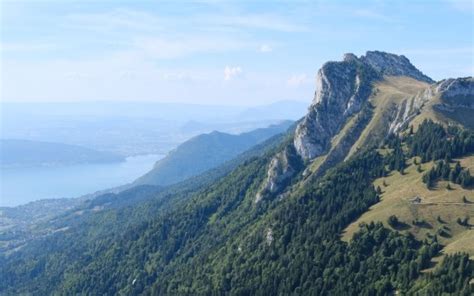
453,93
456,92
340,92
408,109
342,88
282,167
391,64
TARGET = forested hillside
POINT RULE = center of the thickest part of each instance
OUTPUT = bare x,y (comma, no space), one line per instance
220,240
205,152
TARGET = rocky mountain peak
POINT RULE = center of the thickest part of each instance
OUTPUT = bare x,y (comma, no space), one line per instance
392,64
349,57
342,88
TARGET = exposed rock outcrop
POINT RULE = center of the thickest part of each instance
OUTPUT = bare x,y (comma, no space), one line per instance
455,93
409,109
342,89
452,93
283,166
339,151
392,64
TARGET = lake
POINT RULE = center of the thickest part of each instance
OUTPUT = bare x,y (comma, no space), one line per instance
22,185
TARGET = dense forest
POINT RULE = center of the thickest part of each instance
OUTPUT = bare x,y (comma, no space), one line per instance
215,240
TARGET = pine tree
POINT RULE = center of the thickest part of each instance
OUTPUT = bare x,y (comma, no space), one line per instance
465,178
393,221
452,176
379,190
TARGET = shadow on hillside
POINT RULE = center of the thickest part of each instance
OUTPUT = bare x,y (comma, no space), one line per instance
423,224
401,226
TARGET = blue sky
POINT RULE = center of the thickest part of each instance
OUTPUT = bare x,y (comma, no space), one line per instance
213,52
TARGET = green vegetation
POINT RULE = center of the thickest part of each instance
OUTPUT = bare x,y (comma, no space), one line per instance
433,211
433,142
452,277
442,170
393,221
215,239
205,152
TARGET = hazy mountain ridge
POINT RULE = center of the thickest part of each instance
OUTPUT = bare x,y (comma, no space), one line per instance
205,152
17,153
45,217
150,128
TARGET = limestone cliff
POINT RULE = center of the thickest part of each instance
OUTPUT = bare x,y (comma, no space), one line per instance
456,92
342,90
282,167
393,65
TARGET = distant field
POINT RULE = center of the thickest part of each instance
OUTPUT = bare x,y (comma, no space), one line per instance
397,199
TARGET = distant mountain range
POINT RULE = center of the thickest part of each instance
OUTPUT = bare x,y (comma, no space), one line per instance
205,152
132,128
279,110
25,153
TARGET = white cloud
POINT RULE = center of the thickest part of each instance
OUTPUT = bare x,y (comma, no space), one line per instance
265,48
231,72
297,80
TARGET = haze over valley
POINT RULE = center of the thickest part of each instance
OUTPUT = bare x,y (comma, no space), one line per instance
108,145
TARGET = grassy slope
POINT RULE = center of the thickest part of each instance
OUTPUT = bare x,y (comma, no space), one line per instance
448,204
386,96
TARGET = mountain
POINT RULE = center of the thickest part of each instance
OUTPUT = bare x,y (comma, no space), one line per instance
205,152
363,197
23,153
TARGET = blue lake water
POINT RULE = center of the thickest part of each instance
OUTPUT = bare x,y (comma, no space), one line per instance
22,185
